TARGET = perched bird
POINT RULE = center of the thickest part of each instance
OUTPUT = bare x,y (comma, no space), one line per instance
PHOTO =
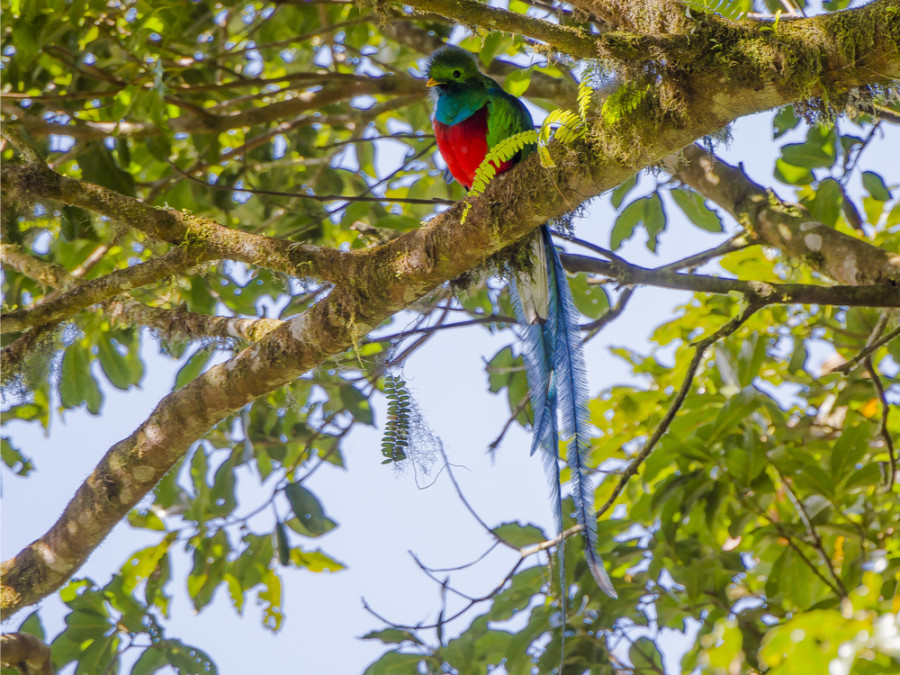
472,114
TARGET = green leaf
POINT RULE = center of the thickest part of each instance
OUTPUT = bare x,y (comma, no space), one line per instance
817,152
395,663
519,535
622,191
193,366
14,459
696,210
645,656
875,186
646,211
518,80
98,166
284,549
784,121
365,155
848,451
33,626
392,636
151,660
590,299
792,175
308,509
116,367
827,202
76,384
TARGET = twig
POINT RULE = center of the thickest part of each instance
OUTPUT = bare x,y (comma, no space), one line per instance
457,568
465,502
493,318
443,583
847,366
315,198
736,243
883,427
512,418
445,620
605,252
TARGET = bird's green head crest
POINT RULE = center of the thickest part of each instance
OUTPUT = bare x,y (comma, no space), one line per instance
450,66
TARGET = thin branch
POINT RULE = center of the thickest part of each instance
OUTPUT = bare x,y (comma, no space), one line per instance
312,197
594,327
468,506
883,427
755,291
512,418
699,352
206,122
484,598
440,582
849,365
492,318
735,243
457,568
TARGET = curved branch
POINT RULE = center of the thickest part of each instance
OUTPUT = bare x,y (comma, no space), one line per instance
787,227
167,321
36,181
103,288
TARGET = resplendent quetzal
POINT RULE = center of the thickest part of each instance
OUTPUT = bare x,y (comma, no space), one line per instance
472,115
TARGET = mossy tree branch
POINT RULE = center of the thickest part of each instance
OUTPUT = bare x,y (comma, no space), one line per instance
91,292
170,322
787,227
36,181
381,281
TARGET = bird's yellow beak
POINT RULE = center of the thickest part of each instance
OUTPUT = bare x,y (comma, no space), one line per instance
431,82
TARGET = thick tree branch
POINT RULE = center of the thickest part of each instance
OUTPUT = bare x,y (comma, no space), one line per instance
759,292
103,288
190,325
788,227
25,653
35,181
48,275
381,281
166,321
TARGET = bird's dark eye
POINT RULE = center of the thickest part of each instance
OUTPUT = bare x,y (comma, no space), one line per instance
456,74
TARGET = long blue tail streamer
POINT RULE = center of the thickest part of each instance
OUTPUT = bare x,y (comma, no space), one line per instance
557,386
